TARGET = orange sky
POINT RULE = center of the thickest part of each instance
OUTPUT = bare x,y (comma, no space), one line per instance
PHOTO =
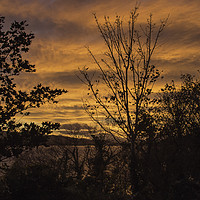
63,27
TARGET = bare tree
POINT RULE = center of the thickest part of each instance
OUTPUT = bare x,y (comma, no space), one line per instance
119,99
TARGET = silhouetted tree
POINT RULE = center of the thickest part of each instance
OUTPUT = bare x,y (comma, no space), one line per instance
174,156
15,136
122,92
100,157
180,107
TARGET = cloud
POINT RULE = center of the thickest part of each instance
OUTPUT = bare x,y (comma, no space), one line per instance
68,31
183,35
75,126
67,79
63,27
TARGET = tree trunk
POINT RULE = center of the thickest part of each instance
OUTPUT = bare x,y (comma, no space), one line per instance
134,179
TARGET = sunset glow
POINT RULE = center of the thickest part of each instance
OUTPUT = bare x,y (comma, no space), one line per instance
63,28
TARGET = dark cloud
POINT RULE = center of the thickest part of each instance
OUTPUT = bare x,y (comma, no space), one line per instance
75,126
86,5
67,100
67,80
178,65
182,34
69,4
64,78
73,77
75,107
47,27
56,113
68,31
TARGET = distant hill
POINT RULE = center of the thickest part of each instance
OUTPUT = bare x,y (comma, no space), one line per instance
65,140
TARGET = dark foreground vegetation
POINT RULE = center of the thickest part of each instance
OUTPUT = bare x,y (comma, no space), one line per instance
169,170
154,153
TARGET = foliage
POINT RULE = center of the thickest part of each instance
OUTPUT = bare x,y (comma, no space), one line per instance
14,135
180,107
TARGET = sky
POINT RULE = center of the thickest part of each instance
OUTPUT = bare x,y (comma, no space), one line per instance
63,28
